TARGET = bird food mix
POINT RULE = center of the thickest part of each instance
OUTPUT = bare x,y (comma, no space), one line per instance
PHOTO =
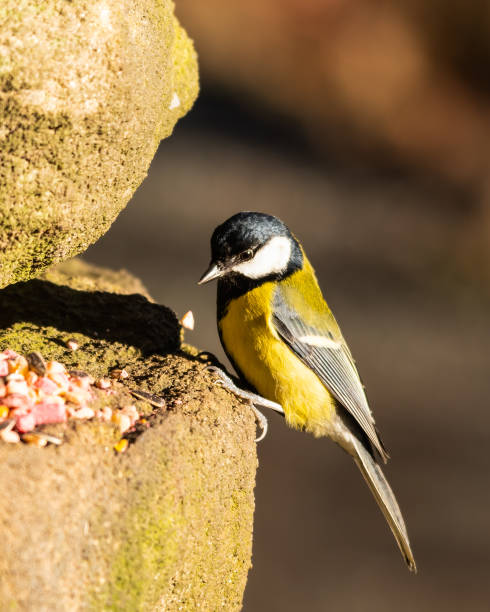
37,392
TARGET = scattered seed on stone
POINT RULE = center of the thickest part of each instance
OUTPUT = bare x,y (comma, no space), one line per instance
151,398
33,439
7,425
36,363
83,413
105,414
36,392
123,421
103,383
49,438
119,374
121,446
187,321
4,368
9,436
81,374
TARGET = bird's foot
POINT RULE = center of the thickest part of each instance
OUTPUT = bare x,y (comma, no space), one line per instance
252,399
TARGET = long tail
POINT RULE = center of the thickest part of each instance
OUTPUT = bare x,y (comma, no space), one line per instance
385,498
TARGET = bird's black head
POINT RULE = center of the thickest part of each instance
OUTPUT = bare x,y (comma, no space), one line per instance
251,248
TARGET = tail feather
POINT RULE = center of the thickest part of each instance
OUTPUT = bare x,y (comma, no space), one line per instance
385,498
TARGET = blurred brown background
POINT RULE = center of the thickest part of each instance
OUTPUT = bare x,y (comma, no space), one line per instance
366,127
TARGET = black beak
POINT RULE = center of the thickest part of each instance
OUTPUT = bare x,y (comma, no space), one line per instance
211,273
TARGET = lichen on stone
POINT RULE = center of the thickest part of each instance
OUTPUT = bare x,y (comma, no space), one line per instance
85,98
168,524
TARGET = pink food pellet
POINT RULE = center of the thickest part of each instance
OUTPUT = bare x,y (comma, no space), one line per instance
16,400
4,368
46,385
25,422
49,412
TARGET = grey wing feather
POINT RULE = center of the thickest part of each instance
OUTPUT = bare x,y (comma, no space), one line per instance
332,362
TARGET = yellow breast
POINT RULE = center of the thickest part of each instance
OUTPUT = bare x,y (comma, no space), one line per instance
269,364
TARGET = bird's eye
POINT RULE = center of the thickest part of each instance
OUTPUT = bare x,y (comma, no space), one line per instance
249,253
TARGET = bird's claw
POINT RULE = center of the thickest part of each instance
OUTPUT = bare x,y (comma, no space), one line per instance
261,422
251,398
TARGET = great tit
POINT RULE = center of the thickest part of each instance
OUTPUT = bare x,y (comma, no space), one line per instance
284,342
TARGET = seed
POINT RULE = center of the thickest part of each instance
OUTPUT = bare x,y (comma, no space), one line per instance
187,320
132,413
103,383
7,435
151,398
55,367
16,400
18,366
121,420
14,377
105,414
36,363
83,413
34,440
31,378
61,381
25,422
75,397
121,446
81,374
72,344
119,374
7,425
49,438
17,386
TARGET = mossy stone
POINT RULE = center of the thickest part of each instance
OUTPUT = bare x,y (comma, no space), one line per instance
87,91
165,526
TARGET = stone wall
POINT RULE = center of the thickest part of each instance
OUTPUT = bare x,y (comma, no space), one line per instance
156,516
87,91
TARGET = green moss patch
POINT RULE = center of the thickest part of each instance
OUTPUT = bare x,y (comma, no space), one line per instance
87,91
168,524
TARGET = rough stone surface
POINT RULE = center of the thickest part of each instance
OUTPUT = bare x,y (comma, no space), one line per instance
87,91
168,524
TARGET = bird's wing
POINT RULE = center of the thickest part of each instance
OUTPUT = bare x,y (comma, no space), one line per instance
327,354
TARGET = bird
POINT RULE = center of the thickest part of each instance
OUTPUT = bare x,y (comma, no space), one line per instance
287,348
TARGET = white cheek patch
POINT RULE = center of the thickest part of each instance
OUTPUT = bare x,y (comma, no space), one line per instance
272,258
319,341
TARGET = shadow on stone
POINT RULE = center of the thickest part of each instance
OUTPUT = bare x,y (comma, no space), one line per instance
126,319
167,525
